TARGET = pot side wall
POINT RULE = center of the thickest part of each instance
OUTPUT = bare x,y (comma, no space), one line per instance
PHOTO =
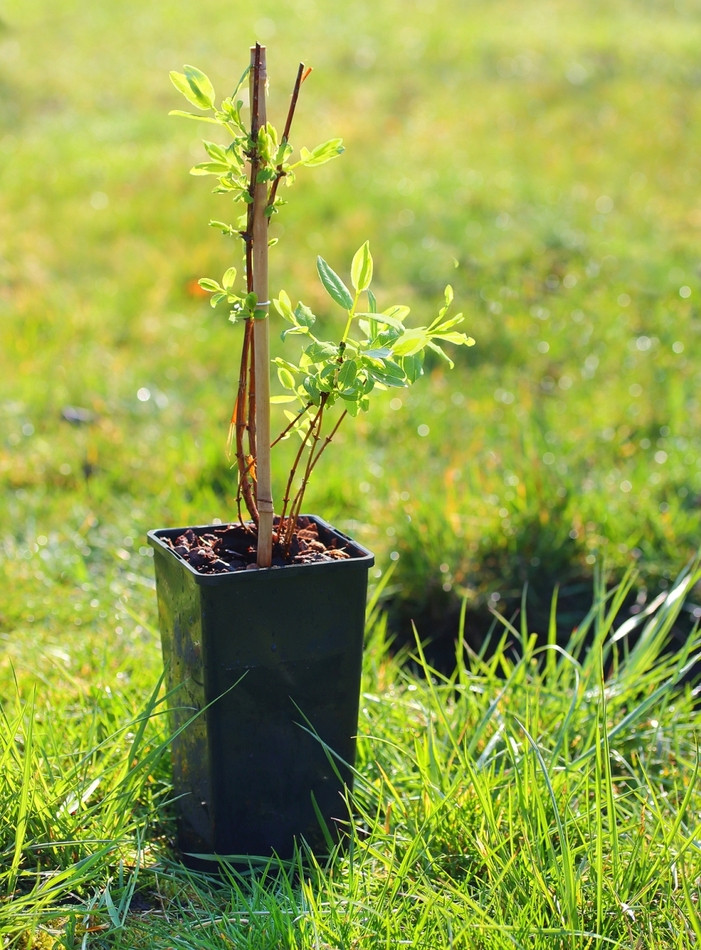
271,660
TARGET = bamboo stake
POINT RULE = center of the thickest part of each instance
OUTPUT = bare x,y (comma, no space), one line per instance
259,237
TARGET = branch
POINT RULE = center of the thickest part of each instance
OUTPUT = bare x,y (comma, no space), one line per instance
290,426
238,427
301,76
315,453
295,465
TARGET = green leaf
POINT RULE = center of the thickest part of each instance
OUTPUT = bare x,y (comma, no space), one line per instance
412,342
351,395
369,328
192,115
305,317
195,86
240,83
413,366
378,353
333,284
210,168
278,361
229,278
283,153
267,143
385,319
391,374
283,305
322,153
311,388
393,370
211,286
320,352
200,85
398,312
286,378
223,227
347,374
459,339
361,268
294,330
440,325
215,152
443,355
387,337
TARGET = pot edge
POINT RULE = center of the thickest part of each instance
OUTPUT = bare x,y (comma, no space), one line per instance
364,558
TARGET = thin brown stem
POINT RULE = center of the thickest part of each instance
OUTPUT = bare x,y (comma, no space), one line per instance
252,430
252,154
238,426
279,172
301,76
314,454
290,426
298,457
296,506
328,440
243,418
312,461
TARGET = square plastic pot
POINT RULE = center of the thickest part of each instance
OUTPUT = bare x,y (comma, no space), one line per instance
266,668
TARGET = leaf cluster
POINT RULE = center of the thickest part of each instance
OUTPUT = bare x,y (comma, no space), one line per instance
376,351
230,163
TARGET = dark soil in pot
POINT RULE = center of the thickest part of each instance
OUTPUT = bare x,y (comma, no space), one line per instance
232,547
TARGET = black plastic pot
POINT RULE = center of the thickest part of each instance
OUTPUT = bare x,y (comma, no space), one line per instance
271,660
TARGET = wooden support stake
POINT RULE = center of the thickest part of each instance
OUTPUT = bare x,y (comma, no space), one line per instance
262,348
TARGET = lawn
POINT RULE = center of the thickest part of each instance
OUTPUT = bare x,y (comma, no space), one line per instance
543,159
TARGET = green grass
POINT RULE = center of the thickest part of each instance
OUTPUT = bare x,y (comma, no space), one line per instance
551,801
548,148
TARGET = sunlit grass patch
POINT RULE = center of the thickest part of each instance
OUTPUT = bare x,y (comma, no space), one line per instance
553,797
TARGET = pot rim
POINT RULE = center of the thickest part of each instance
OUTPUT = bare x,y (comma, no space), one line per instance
363,557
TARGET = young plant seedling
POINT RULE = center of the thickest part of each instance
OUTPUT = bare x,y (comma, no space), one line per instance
329,379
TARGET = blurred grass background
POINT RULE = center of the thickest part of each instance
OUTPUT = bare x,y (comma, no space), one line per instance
551,150
543,157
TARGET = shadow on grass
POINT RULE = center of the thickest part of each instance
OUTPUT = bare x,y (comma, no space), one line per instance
545,609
